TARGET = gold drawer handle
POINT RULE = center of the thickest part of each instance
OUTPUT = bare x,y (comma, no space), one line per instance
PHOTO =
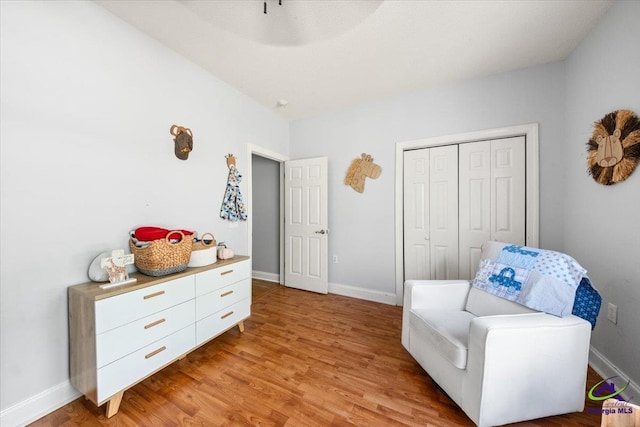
224,316
155,294
226,293
152,324
153,353
226,272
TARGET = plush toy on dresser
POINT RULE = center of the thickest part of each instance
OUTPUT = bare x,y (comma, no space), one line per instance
224,252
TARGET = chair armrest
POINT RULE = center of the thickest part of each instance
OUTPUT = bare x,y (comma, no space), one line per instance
525,322
515,355
432,294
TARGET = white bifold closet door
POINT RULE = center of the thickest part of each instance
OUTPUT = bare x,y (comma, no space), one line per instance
443,211
431,213
475,192
417,263
492,197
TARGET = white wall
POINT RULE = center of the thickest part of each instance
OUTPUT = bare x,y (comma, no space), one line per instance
265,256
362,225
87,103
602,223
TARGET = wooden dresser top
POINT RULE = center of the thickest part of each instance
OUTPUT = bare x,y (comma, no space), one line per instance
93,291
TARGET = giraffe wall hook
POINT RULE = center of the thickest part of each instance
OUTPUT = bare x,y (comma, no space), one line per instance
359,170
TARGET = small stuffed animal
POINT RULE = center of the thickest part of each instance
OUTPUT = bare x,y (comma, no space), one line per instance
224,252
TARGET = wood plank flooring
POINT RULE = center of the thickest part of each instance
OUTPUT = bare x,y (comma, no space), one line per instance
260,288
304,360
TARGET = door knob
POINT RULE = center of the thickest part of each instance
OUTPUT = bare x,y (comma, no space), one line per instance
322,232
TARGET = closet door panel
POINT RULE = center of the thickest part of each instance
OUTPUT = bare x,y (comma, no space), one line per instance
475,204
458,197
417,263
508,190
443,211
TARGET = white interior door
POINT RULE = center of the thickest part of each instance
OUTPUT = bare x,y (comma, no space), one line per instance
456,198
417,264
492,197
508,190
475,204
306,225
443,207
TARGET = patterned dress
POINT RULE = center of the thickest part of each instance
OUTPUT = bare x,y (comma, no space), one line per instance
233,208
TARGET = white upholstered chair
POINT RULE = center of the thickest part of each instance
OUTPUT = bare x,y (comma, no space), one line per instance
499,361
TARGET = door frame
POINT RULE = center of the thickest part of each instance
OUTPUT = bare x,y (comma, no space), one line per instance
531,134
280,158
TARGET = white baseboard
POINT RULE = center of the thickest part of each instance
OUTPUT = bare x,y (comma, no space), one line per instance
362,293
263,275
606,369
39,405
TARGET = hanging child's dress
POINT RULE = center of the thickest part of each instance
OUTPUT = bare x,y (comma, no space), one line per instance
233,208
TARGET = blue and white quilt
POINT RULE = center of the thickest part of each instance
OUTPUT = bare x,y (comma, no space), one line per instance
539,279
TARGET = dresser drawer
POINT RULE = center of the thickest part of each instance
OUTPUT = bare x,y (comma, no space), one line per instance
122,309
215,301
219,322
125,372
126,339
217,278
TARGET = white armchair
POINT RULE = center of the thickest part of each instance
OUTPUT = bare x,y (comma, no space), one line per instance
499,361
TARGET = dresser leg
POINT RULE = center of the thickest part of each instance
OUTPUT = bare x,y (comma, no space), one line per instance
241,326
114,404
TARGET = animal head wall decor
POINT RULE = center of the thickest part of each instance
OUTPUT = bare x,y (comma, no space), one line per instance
359,170
183,141
231,160
613,152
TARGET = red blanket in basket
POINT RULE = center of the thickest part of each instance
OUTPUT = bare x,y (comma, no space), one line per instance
147,234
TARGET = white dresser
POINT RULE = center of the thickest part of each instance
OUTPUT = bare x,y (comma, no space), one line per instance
120,336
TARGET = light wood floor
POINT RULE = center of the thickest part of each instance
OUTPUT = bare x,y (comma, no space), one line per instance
304,360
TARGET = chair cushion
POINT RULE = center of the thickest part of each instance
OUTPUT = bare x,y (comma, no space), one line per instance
444,331
482,303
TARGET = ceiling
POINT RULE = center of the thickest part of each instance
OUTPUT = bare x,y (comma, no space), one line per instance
323,55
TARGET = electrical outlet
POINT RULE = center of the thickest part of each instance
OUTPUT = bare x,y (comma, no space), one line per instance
335,259
612,313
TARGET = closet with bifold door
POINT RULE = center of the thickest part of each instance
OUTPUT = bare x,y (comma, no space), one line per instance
458,196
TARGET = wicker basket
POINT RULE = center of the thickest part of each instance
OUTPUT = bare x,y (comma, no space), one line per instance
161,257
197,246
203,253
